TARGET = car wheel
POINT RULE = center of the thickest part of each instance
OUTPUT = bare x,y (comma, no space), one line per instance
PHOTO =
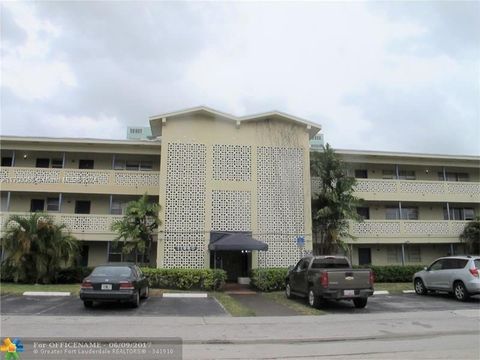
288,291
360,303
313,300
88,303
136,299
146,293
420,288
460,291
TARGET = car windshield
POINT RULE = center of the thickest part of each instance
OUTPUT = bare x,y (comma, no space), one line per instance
117,271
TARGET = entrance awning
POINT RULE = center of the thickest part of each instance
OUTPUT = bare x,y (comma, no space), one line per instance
234,240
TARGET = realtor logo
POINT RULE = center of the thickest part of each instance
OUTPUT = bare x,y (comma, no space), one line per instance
12,348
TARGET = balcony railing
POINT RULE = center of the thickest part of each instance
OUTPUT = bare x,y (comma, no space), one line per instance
108,179
413,190
76,223
407,229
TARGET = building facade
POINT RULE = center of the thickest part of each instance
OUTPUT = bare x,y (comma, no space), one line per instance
214,173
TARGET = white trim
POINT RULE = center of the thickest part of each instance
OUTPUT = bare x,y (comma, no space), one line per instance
46,293
184,295
408,291
381,292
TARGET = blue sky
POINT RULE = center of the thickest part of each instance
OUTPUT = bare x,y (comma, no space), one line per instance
398,76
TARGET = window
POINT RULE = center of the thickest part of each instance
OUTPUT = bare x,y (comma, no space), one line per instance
42,163
454,176
361,174
82,207
85,164
410,213
135,165
37,205
412,254
330,263
437,265
363,212
118,207
389,174
394,254
392,213
304,264
7,161
457,213
406,175
57,163
4,201
115,254
53,204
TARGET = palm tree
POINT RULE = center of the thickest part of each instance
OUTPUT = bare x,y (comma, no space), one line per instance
36,248
471,237
334,204
137,227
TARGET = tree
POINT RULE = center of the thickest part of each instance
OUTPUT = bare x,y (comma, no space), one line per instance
334,204
137,227
36,248
471,237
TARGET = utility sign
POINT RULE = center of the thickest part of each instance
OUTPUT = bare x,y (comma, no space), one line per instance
300,241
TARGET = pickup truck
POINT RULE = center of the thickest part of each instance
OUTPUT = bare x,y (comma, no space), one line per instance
329,277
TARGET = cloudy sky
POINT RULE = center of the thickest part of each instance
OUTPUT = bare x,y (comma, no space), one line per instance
400,76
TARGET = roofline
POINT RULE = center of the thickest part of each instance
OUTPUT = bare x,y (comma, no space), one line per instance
407,154
311,126
155,142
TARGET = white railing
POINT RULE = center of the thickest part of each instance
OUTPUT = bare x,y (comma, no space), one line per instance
34,176
406,228
76,223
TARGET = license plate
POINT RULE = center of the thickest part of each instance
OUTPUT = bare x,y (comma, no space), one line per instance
106,286
348,292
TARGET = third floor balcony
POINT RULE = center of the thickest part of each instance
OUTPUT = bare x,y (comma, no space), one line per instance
79,180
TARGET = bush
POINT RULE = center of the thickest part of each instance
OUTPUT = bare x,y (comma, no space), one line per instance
72,275
186,279
268,279
393,273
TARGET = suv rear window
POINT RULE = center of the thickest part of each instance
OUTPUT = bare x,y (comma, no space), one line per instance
331,263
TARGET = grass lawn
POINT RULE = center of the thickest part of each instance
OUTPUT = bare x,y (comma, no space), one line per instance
232,305
393,287
19,289
299,305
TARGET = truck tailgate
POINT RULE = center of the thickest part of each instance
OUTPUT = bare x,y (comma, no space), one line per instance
348,279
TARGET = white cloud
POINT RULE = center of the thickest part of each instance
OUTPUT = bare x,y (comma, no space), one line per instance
29,70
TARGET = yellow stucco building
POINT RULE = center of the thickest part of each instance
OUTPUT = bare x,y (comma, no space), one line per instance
216,174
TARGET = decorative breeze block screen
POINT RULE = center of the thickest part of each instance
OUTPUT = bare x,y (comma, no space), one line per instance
231,210
232,162
185,206
280,204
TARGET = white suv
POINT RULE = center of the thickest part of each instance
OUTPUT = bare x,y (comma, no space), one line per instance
454,274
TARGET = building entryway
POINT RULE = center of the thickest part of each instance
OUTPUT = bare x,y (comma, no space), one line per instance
236,263
364,256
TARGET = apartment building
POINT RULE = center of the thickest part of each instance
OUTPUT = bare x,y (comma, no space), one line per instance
235,192
415,206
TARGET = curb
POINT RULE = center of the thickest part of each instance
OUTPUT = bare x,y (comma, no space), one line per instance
381,292
46,293
185,295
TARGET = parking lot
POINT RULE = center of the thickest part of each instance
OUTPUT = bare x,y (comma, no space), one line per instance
158,306
73,306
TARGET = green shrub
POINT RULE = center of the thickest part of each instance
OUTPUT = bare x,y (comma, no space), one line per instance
186,279
72,275
268,279
393,273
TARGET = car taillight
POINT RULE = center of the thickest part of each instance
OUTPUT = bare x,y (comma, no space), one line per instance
324,279
371,278
126,285
86,284
474,272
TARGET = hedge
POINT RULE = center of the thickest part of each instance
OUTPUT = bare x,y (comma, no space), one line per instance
268,279
393,273
64,276
185,279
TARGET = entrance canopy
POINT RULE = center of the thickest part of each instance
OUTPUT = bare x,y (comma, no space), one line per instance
234,240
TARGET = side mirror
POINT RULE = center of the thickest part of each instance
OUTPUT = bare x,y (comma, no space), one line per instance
425,268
